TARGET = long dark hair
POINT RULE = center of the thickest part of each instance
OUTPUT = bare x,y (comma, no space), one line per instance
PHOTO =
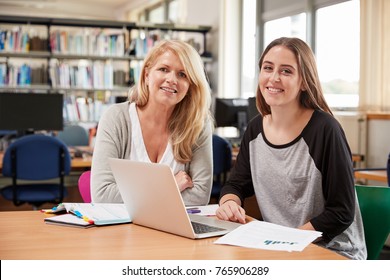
312,97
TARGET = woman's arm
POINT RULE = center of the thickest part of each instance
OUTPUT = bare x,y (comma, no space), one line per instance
112,141
337,184
200,170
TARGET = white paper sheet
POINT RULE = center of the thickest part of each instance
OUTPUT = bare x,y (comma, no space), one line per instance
263,235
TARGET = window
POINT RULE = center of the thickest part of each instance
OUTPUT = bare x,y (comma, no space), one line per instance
287,26
338,53
156,14
173,11
249,63
292,26
161,12
335,34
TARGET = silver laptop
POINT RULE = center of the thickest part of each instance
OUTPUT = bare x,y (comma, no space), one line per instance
151,196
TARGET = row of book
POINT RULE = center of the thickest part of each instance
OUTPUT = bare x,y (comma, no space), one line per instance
95,75
95,43
100,44
87,109
20,40
141,45
143,40
83,109
14,40
23,75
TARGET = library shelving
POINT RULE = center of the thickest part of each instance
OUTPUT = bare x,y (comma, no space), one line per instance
91,62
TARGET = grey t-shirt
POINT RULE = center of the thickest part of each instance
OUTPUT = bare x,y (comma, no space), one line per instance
308,179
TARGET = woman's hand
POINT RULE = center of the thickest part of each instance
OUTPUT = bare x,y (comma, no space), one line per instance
231,211
183,180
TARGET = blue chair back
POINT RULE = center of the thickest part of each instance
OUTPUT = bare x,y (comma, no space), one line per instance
36,158
74,135
222,161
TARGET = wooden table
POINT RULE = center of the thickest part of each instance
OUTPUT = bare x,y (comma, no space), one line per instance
375,175
24,235
81,163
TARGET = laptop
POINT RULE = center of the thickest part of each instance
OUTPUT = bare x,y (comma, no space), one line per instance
152,198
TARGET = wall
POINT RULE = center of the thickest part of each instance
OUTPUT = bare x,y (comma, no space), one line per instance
230,49
206,12
355,127
87,9
378,141
367,134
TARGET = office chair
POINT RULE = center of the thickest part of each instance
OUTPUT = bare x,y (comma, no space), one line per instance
35,159
74,135
84,184
222,162
374,203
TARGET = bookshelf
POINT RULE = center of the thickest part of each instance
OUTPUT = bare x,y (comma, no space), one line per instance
91,62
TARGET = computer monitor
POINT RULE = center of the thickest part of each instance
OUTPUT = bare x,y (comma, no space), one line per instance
252,109
29,112
232,112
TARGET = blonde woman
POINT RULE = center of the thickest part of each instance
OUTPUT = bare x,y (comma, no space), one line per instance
166,120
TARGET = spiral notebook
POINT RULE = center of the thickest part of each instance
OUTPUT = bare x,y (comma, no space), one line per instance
88,214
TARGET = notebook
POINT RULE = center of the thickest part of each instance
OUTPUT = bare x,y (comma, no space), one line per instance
88,214
153,200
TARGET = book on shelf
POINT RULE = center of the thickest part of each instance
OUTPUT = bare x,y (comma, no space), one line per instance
88,42
14,40
83,109
87,215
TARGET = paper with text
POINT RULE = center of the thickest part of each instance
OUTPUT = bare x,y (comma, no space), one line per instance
263,235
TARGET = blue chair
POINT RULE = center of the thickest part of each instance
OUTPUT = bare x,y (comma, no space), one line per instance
35,158
222,161
74,135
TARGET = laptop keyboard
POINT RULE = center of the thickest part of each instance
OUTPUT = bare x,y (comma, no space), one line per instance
202,228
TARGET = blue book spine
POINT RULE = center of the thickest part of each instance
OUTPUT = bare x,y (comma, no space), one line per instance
2,39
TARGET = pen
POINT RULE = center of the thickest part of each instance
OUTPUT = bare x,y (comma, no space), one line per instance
193,211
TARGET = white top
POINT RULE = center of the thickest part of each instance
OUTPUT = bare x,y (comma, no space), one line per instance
138,149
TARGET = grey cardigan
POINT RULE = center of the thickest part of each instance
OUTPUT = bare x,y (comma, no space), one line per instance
113,140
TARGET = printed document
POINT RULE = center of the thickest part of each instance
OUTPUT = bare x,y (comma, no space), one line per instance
268,236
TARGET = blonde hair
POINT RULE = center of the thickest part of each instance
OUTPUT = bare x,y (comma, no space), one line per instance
312,97
190,115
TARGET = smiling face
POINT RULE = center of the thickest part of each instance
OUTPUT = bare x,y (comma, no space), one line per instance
167,80
279,80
